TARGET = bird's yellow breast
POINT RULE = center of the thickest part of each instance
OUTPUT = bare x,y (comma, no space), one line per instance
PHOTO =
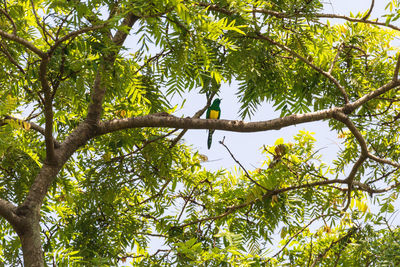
214,114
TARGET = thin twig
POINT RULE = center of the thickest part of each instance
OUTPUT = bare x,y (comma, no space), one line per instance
4,49
150,59
321,255
74,34
145,143
269,193
184,205
323,15
384,161
160,192
396,69
5,13
369,11
299,232
43,27
241,166
335,59
306,61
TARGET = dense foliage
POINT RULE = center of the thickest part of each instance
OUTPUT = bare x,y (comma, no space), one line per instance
76,77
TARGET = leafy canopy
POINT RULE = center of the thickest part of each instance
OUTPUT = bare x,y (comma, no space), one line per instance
121,190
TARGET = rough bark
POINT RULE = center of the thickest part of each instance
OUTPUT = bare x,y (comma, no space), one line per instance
29,211
31,240
26,217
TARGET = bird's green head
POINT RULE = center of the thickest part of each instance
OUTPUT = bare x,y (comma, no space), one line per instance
216,102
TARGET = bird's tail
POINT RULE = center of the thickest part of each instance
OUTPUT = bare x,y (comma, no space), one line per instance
209,140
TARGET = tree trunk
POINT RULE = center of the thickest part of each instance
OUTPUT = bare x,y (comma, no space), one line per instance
31,241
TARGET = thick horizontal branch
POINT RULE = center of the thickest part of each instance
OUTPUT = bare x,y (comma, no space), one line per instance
157,120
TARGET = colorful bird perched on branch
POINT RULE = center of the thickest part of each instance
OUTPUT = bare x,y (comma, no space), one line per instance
213,112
